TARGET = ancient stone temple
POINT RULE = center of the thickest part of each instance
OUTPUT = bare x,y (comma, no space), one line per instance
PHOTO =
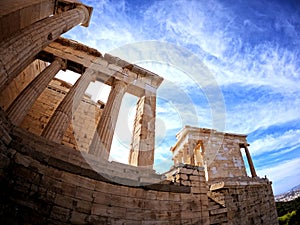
55,142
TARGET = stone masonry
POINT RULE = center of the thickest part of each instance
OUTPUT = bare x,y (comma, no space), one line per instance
55,141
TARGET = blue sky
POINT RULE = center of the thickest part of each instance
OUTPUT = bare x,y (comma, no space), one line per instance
251,51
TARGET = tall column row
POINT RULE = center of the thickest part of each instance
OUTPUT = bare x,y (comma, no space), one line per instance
143,141
17,52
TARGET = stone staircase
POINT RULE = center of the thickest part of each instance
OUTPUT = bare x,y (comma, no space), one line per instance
217,209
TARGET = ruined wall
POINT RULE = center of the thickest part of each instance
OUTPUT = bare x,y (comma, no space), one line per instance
46,183
247,201
228,160
8,95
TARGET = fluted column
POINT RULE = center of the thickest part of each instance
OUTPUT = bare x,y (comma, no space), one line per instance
61,119
143,138
250,162
20,50
103,136
19,108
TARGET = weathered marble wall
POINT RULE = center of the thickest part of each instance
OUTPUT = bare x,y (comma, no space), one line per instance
47,183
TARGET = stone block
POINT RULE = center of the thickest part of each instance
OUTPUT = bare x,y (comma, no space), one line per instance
116,212
78,218
134,214
83,207
163,196
84,194
78,180
183,176
60,214
68,189
198,190
188,214
174,197
151,195
218,211
23,160
186,171
185,183
65,201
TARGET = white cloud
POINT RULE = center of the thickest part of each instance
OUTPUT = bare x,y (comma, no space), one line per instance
271,143
264,65
284,175
261,112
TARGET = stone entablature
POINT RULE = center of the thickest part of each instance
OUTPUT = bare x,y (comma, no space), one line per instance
80,57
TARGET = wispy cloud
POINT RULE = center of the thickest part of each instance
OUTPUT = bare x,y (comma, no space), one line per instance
284,175
271,143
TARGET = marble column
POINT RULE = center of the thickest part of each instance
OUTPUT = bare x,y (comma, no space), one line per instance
103,136
143,138
250,162
20,50
19,108
61,119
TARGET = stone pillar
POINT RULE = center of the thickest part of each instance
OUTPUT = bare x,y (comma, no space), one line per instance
143,139
251,165
20,50
19,108
198,158
61,119
103,136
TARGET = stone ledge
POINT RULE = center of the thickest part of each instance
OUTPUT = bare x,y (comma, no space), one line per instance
239,182
67,159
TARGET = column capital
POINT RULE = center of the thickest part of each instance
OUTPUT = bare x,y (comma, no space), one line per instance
87,14
120,83
63,63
